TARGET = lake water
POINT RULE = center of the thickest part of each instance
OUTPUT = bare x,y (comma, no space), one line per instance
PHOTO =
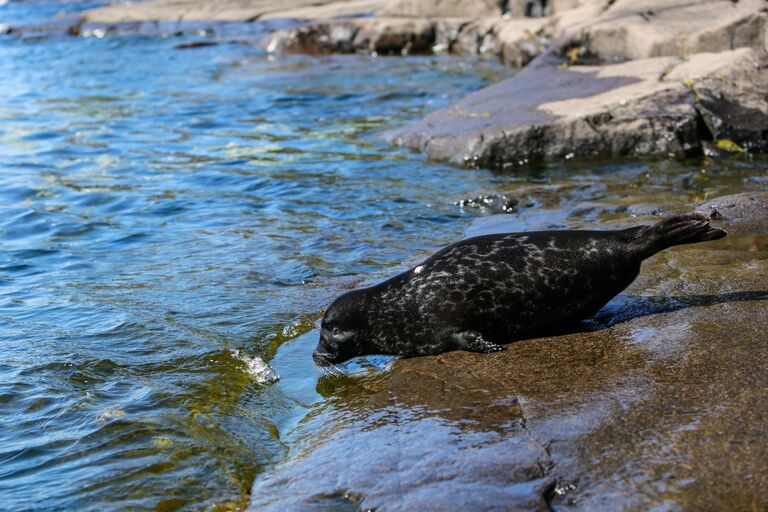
168,215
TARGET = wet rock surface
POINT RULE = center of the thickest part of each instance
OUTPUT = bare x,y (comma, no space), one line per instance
377,35
657,402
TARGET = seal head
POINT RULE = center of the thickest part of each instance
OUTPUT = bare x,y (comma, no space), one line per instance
342,330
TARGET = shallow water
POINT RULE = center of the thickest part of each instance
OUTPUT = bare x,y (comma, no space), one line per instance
168,215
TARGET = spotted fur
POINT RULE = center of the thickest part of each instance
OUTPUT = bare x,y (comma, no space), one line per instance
489,290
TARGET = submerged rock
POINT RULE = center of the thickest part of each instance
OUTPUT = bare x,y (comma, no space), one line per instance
195,44
646,210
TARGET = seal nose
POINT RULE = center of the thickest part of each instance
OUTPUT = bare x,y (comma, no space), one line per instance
321,358
321,355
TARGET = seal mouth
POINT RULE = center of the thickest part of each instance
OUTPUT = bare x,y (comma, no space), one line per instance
324,362
322,358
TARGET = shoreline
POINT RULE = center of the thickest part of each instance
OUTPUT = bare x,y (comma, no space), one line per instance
620,78
654,404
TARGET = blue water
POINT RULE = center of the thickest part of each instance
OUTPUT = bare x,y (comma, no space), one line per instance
166,214
161,209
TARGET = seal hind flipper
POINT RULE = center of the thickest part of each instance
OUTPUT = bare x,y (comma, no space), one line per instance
473,341
679,229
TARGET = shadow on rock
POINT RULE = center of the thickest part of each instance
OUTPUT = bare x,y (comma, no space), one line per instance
626,307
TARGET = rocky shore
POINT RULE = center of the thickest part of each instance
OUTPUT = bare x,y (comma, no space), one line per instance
660,401
603,77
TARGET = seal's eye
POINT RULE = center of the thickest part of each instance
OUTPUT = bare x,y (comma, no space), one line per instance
336,331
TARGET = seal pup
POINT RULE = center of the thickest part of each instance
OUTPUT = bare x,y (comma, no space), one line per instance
482,292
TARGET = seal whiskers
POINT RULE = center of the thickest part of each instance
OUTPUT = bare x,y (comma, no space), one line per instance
328,369
483,292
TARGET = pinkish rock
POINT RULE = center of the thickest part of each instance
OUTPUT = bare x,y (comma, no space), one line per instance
628,29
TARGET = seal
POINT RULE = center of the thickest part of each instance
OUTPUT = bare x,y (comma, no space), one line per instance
486,291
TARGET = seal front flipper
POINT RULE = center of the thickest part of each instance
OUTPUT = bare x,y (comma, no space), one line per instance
473,341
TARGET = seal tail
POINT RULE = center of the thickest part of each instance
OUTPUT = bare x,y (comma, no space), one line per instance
679,229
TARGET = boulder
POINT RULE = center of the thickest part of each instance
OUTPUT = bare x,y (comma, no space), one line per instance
395,35
653,106
516,41
379,35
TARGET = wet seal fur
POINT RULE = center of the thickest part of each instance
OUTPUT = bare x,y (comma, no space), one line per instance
480,293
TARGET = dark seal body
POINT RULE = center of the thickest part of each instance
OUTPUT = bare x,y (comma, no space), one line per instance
489,290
